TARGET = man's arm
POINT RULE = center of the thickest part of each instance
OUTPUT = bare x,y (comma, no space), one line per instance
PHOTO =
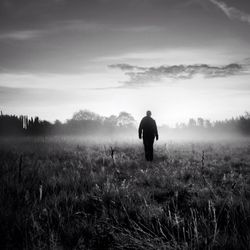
140,130
156,132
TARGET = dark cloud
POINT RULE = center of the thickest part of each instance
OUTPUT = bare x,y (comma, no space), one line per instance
65,36
126,67
15,13
141,75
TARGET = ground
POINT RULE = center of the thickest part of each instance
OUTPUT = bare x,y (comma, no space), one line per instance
62,193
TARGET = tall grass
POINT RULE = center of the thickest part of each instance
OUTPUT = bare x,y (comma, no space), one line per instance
65,195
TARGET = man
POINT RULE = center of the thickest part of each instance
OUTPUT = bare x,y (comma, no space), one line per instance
148,130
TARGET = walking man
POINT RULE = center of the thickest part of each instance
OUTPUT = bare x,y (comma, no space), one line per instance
148,131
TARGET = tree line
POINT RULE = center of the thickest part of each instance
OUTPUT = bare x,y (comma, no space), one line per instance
83,122
240,125
86,122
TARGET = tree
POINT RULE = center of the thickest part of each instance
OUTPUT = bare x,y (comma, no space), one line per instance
191,123
208,124
57,123
125,119
86,115
200,122
111,120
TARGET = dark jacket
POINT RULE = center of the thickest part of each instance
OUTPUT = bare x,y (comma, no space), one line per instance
148,128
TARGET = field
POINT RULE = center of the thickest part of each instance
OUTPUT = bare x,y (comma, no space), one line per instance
65,194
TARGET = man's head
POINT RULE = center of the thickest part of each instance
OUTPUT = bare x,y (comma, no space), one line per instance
149,113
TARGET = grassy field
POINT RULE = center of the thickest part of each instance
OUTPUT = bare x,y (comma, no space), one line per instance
66,194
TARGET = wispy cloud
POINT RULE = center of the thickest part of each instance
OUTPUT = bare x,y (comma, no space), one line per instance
55,27
126,66
75,25
21,35
232,12
143,75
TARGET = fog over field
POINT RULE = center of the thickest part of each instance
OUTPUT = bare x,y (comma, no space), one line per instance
85,124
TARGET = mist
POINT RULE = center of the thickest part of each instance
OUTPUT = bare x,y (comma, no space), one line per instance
89,126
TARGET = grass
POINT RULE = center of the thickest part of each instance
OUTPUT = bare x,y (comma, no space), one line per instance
61,194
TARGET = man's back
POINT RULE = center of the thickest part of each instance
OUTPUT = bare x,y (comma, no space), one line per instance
148,128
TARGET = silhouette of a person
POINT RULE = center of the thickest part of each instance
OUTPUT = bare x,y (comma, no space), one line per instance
148,131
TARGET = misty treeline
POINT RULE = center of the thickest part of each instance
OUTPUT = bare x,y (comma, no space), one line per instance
204,128
83,122
89,123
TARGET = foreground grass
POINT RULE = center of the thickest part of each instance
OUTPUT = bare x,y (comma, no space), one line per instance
65,195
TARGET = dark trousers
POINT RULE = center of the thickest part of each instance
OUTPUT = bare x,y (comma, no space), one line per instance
148,148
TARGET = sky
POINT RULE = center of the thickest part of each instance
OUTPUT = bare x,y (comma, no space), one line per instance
177,58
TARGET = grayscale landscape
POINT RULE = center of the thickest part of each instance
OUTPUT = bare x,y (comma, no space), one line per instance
124,124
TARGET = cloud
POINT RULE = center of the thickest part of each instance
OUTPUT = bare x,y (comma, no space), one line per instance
142,75
21,35
125,67
55,27
72,25
232,12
